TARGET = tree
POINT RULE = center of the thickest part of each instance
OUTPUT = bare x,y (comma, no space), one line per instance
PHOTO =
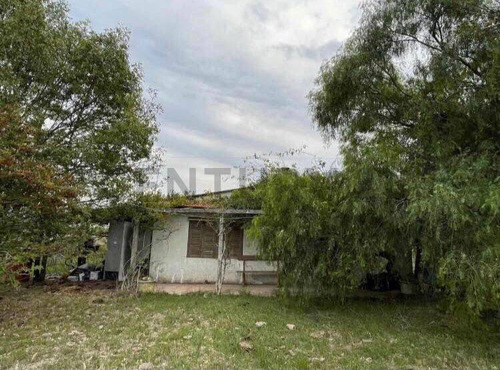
39,210
419,82
325,228
79,89
414,98
75,126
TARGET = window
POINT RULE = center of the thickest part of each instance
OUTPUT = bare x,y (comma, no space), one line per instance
235,242
203,241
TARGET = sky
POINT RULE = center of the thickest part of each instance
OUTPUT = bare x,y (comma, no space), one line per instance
232,77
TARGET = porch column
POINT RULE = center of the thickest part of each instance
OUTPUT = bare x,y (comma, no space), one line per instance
220,255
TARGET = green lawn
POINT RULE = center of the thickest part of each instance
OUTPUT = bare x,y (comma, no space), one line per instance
71,328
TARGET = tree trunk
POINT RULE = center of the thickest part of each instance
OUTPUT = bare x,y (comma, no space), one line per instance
418,259
40,269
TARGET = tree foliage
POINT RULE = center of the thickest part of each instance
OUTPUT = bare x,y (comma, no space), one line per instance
147,208
39,212
414,98
79,89
75,126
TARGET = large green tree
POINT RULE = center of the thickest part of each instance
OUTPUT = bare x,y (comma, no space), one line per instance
79,88
418,82
75,126
414,98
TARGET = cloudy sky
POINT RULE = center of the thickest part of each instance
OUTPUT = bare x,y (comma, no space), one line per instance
232,76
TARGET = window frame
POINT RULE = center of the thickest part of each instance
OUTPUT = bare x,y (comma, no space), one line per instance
189,248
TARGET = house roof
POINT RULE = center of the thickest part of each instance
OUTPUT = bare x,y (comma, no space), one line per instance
198,209
200,205
221,192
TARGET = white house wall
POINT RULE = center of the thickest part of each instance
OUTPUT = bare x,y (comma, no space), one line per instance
169,262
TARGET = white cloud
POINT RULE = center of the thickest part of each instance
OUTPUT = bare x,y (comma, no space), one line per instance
232,76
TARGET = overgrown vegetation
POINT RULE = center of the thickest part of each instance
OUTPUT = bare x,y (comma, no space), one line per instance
414,98
72,327
75,129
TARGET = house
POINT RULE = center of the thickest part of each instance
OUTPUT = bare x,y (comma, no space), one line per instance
187,247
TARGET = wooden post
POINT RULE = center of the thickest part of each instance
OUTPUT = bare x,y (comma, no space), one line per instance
220,256
244,280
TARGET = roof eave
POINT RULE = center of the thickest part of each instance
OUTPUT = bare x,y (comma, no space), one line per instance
213,210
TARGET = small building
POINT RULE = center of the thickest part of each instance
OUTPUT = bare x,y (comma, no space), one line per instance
185,249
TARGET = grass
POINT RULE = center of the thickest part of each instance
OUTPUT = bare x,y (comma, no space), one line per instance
73,327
